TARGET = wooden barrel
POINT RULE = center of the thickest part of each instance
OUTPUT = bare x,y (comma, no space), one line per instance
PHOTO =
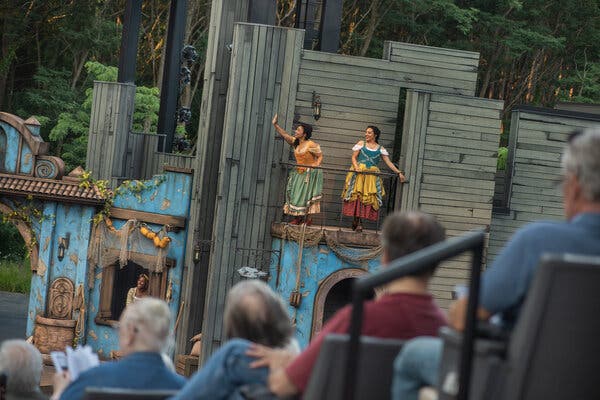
53,334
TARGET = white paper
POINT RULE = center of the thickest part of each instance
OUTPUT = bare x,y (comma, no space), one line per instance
76,361
59,359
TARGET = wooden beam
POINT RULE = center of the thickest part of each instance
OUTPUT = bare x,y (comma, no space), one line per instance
158,219
169,168
365,239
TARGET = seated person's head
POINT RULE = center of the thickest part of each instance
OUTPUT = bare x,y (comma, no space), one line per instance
256,313
145,326
581,172
406,232
22,364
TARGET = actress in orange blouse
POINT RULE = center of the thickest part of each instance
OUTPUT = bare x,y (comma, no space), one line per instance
305,183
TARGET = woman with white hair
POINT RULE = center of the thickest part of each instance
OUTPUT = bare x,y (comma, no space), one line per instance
21,363
144,331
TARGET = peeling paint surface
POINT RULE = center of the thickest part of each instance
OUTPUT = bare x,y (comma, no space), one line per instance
41,268
169,197
318,263
106,339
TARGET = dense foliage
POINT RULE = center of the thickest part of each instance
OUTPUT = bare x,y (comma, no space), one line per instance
532,51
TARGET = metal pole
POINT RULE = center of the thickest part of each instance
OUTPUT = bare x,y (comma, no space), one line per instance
466,353
129,41
330,26
262,12
298,13
169,93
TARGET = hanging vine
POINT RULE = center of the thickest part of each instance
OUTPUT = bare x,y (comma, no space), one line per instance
26,213
133,187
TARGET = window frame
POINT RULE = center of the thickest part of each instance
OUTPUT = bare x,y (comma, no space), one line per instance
158,285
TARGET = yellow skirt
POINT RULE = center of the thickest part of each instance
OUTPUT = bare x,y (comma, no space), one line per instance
365,188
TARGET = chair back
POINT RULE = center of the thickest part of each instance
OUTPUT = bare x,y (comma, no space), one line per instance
554,351
374,373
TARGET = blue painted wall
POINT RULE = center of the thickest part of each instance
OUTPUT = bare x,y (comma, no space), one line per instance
318,263
13,137
26,160
168,194
58,221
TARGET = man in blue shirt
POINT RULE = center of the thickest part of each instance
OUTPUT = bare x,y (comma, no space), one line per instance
144,329
504,285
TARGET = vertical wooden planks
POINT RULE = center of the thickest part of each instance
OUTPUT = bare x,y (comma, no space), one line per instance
537,140
450,144
224,13
246,159
110,123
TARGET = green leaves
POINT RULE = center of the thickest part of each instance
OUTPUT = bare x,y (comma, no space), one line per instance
101,72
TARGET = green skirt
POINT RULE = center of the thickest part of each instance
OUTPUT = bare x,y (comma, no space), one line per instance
304,192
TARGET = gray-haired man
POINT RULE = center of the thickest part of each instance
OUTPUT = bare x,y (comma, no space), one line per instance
504,285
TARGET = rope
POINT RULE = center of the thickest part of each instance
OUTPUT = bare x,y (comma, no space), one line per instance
126,241
312,237
299,261
351,255
79,295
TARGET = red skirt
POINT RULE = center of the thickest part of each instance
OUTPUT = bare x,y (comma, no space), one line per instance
358,209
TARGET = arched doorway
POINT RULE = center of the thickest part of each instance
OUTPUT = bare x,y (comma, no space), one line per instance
334,292
27,235
15,282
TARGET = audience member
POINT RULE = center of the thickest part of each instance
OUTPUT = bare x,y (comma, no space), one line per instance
21,362
504,285
144,330
405,310
253,314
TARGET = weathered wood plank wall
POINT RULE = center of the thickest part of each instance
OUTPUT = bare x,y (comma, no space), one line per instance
110,123
356,92
223,14
352,97
537,140
444,68
264,67
449,149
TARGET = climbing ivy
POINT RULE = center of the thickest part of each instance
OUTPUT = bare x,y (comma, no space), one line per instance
28,214
134,187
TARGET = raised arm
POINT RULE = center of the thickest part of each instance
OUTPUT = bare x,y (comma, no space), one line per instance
391,165
286,136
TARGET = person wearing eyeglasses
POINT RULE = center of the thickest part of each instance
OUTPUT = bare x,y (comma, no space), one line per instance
505,283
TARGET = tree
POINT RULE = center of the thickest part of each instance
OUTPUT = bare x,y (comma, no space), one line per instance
72,127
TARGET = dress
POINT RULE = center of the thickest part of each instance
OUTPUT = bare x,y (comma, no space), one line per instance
305,185
142,370
131,297
503,289
363,193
